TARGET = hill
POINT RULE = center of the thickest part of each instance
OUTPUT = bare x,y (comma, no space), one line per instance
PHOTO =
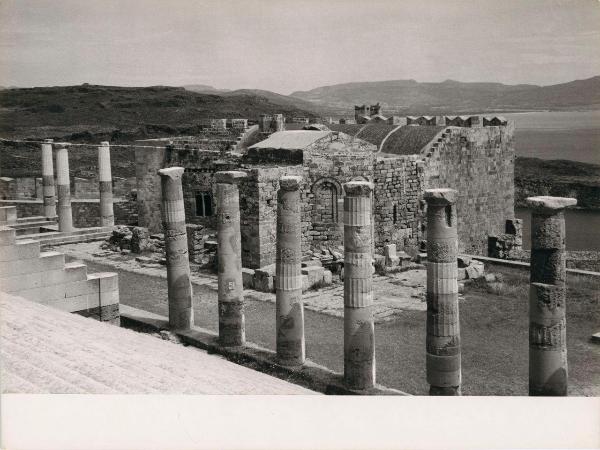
561,178
204,88
412,97
122,114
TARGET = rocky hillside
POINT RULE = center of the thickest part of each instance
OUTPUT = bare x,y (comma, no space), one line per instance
410,96
122,114
561,178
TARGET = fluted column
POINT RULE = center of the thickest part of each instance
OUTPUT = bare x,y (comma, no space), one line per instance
229,253
548,372
63,186
359,329
181,313
288,281
443,359
107,217
48,191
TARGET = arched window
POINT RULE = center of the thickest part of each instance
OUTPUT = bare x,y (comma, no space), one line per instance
326,193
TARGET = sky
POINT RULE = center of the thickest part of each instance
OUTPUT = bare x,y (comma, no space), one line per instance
289,45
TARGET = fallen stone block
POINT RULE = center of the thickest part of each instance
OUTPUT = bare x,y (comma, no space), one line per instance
305,285
139,239
327,277
312,263
463,261
391,257
490,277
422,258
210,246
475,271
314,273
248,278
461,273
263,280
145,260
337,255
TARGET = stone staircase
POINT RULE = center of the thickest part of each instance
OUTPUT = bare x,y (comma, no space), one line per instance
70,237
34,225
44,277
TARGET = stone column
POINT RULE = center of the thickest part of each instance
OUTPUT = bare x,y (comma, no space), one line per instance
288,281
229,253
49,194
359,329
181,313
547,297
107,217
443,331
63,186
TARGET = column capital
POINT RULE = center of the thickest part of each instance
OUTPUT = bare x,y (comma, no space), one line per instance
230,176
104,144
48,141
358,188
171,172
548,204
441,197
290,183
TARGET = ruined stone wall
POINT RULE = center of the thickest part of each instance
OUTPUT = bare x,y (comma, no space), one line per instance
479,164
398,207
21,187
258,212
327,166
85,188
147,163
200,167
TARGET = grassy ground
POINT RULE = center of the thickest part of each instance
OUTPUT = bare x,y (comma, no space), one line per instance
494,327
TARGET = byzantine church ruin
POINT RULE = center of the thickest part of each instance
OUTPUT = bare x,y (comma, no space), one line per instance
472,154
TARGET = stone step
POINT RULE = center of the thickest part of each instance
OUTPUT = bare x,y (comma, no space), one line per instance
33,224
45,261
81,231
23,249
90,237
35,229
24,220
7,235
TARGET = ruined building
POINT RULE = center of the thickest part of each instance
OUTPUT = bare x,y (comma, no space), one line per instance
475,157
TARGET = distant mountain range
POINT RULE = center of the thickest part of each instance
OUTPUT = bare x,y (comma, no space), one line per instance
410,96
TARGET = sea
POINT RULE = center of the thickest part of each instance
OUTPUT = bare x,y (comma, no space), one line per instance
571,135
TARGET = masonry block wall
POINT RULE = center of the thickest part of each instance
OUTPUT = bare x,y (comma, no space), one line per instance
258,210
479,164
327,165
44,277
398,206
147,163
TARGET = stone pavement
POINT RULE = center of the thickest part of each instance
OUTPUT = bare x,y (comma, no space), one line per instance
47,351
393,294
